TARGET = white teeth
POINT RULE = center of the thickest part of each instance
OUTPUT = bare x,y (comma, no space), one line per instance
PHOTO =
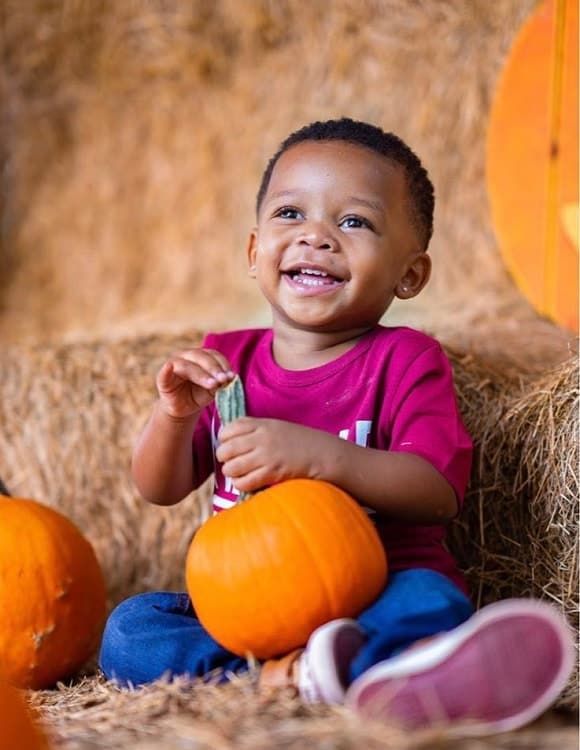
313,271
311,282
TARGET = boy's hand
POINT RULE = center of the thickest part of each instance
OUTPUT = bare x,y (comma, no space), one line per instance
259,452
189,380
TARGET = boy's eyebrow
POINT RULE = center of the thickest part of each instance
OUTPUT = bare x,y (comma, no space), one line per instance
374,205
284,194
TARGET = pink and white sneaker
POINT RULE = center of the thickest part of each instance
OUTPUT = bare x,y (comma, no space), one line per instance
496,672
320,671
323,673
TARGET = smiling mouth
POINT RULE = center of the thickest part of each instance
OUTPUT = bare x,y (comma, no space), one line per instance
312,277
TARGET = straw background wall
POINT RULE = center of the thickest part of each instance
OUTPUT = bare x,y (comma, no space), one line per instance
133,136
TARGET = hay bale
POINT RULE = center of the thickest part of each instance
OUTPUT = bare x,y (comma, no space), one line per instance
70,414
69,418
518,534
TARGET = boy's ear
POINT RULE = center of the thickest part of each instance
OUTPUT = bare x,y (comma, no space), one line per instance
415,277
251,252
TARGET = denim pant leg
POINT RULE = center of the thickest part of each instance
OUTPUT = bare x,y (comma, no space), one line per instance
415,604
155,634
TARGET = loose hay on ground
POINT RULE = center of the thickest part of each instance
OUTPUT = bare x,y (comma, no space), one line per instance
93,715
69,416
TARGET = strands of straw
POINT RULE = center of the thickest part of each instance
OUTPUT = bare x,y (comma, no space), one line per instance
518,534
134,134
69,419
93,715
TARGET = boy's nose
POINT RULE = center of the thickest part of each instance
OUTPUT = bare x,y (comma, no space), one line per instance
318,237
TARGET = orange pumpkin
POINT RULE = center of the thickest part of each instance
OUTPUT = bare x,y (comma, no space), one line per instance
266,573
532,161
52,595
18,729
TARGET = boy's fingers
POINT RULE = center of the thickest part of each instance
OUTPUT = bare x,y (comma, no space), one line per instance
224,362
240,426
214,362
253,481
166,375
240,466
234,448
194,373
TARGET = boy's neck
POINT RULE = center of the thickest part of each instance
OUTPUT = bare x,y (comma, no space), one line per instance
295,349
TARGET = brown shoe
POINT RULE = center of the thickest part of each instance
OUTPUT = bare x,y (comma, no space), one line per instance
319,673
277,673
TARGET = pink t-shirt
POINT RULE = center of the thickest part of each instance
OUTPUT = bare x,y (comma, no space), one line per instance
392,391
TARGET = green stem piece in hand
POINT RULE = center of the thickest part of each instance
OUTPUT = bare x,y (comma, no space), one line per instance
231,405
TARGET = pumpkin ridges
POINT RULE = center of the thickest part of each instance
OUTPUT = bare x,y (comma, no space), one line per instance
256,513
320,591
325,569
232,600
299,586
362,539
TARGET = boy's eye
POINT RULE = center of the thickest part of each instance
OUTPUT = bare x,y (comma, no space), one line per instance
287,212
355,222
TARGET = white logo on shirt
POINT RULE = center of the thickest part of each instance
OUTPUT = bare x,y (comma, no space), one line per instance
362,430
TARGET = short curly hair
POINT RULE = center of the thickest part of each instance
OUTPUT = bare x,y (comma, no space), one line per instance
420,187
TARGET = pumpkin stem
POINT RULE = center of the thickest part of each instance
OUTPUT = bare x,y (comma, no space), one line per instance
231,405
4,489
230,401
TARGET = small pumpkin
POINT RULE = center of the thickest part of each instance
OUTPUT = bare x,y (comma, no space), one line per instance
264,574
18,728
52,595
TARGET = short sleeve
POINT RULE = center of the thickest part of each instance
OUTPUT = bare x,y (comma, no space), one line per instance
425,418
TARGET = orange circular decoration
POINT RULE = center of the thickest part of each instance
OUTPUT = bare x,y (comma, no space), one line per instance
532,161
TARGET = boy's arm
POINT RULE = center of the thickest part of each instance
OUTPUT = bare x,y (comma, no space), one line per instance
162,465
259,452
399,485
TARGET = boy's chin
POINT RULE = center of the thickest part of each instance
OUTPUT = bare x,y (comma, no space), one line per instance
317,326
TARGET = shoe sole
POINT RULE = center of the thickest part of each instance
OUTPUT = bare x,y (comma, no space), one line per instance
496,672
328,654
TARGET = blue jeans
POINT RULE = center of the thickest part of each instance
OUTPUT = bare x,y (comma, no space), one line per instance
156,634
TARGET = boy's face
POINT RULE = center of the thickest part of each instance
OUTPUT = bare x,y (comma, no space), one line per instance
334,242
